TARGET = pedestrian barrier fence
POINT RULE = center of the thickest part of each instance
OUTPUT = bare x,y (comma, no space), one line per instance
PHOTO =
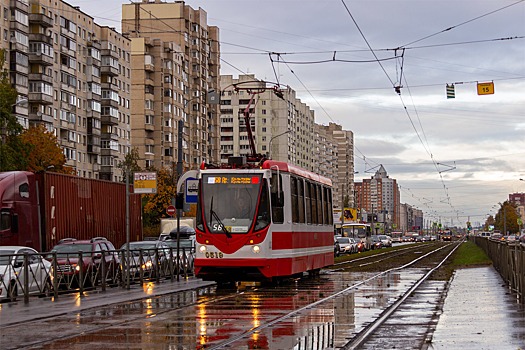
52,274
508,259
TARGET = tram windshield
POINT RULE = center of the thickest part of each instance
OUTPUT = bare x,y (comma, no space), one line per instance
229,201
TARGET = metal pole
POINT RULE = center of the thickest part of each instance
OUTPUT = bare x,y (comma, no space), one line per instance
127,228
179,173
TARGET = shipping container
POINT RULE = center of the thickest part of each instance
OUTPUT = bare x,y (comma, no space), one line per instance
38,210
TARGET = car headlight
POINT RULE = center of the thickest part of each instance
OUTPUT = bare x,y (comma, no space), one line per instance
256,249
202,249
77,267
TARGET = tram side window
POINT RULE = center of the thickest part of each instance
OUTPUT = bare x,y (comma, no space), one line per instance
308,197
263,213
300,191
319,205
295,199
277,208
328,205
313,194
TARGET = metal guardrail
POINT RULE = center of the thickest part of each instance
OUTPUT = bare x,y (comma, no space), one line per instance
508,259
52,274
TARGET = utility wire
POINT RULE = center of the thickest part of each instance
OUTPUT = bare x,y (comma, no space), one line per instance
463,23
366,41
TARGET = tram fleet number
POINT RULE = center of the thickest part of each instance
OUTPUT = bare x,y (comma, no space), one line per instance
214,255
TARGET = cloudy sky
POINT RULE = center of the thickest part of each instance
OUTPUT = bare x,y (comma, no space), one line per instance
453,158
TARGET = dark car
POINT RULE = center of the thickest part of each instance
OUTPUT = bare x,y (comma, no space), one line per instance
375,242
85,262
337,247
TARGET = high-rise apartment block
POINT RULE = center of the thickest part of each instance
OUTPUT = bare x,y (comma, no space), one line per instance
175,59
72,76
380,196
282,125
342,143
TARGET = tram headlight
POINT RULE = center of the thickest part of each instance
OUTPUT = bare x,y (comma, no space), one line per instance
202,249
256,249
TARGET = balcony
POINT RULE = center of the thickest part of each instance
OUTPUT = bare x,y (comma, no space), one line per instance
40,77
109,70
41,19
109,152
40,117
106,102
39,58
38,97
93,149
109,120
40,38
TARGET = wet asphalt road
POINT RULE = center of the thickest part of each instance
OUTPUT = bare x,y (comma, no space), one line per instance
479,313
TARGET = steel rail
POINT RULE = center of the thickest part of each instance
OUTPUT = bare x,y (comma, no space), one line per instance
257,329
372,327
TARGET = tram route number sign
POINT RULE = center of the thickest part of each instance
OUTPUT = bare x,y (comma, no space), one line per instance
145,183
486,88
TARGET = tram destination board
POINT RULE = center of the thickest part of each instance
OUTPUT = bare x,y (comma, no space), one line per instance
234,179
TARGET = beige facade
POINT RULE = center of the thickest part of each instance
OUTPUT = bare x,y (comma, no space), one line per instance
175,64
74,77
343,163
282,127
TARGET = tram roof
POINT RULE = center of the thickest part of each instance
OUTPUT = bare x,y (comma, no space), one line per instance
292,169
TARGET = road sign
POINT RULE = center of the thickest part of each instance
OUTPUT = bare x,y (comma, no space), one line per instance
192,190
170,210
145,182
450,91
486,88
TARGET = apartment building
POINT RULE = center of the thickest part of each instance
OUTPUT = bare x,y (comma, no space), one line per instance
342,142
175,59
380,197
281,124
72,76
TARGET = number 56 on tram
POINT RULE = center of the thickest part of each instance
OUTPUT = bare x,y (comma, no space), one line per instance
263,223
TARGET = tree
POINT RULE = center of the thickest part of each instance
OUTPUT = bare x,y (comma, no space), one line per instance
9,125
130,164
155,204
507,218
41,151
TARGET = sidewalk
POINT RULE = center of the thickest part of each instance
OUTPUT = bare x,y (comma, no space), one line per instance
12,313
480,312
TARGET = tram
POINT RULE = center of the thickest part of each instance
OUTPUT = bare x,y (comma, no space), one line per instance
262,223
361,232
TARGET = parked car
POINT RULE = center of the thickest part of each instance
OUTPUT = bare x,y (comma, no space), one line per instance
496,237
345,245
385,240
186,251
73,271
13,278
511,239
147,257
397,240
375,242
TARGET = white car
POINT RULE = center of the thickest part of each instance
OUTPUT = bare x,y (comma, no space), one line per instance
13,277
386,240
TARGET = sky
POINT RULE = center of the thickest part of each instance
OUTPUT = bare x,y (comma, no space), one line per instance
456,159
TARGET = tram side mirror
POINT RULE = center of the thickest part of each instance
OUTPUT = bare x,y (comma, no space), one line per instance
278,201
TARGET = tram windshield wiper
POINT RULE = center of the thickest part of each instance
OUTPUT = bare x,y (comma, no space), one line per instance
213,215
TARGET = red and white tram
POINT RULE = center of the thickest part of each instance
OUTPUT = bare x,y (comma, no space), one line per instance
262,223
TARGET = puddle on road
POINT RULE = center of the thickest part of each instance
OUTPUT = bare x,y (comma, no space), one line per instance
330,325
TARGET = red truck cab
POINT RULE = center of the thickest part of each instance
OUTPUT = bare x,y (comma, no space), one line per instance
19,210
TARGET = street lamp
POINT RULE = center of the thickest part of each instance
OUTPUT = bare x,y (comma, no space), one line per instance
274,137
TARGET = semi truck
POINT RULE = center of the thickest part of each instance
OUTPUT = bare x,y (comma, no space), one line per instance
37,210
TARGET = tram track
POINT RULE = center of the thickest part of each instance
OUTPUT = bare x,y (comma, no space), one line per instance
332,304
372,326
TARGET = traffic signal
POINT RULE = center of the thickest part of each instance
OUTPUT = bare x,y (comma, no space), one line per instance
451,91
